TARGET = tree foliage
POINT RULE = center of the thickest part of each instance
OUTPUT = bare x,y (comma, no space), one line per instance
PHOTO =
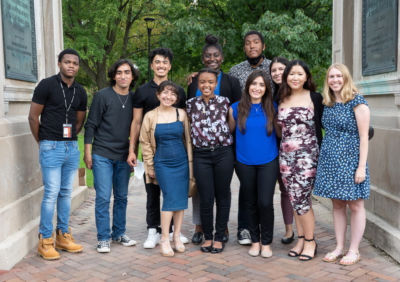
292,28
105,30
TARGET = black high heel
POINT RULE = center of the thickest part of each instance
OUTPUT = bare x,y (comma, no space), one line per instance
307,257
292,253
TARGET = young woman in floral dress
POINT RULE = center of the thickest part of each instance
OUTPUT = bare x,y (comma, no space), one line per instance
299,116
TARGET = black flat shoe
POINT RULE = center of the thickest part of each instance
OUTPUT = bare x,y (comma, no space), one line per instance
225,238
206,249
218,250
288,240
197,238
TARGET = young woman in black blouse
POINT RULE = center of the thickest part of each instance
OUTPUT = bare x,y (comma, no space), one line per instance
227,86
212,158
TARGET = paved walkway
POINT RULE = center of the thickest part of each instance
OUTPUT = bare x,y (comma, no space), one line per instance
138,264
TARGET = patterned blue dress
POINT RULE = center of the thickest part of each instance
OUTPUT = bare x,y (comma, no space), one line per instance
340,149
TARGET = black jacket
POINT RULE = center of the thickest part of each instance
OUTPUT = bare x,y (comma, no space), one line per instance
230,88
318,110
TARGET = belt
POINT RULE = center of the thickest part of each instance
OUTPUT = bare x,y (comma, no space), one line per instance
207,149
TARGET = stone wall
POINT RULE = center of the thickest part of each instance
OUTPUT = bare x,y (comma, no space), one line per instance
383,94
21,187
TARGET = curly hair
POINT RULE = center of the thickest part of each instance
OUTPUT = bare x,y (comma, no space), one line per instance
113,71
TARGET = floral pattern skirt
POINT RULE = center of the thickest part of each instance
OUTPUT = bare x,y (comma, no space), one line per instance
298,166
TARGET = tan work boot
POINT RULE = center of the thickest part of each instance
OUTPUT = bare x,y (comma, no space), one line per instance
66,242
46,248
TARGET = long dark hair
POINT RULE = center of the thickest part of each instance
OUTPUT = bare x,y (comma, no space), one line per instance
283,61
285,91
244,105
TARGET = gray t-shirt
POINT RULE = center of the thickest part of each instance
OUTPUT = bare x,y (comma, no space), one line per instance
242,71
108,124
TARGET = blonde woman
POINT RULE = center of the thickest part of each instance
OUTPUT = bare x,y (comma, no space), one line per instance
342,173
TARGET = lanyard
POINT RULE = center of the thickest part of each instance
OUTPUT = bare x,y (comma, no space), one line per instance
216,91
67,108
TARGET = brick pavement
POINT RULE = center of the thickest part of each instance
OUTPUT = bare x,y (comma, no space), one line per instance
234,264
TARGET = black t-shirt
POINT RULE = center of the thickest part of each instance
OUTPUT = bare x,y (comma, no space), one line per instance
48,93
108,124
145,97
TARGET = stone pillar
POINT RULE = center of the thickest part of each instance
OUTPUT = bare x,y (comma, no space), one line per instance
21,187
383,94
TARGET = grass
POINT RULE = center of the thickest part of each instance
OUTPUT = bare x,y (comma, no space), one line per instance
89,174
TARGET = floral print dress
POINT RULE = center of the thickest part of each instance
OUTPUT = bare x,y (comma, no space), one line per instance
298,155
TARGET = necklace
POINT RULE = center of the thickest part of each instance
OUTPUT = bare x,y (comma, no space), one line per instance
122,103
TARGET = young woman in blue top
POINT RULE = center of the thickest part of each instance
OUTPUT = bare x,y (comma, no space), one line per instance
257,163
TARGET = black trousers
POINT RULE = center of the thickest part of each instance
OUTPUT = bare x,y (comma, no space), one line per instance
153,216
258,185
242,216
213,172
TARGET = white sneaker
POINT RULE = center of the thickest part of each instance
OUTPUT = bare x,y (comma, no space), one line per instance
153,238
103,246
184,240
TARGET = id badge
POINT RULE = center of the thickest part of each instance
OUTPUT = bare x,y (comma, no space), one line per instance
67,130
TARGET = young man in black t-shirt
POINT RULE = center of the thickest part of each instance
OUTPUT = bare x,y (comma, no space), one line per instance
107,129
60,103
145,100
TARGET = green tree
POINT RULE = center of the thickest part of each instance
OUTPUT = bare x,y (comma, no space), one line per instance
292,28
104,31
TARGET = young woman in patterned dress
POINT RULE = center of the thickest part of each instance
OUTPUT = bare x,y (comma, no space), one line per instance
343,174
299,116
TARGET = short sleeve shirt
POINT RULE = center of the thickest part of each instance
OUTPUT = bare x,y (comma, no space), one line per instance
254,146
49,93
209,122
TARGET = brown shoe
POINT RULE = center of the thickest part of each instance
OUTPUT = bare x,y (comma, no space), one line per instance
46,248
66,242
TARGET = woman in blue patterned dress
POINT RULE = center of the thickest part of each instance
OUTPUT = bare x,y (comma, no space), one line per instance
342,173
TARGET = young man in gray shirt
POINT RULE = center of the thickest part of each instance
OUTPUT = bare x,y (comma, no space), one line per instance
106,149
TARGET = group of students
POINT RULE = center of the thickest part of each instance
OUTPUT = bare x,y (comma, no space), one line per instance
271,131
263,120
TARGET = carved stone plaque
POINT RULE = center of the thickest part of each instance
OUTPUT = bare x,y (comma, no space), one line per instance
379,36
19,39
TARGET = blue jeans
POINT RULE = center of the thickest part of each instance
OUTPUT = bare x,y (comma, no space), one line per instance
59,161
110,175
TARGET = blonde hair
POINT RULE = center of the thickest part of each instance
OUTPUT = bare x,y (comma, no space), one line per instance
348,90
